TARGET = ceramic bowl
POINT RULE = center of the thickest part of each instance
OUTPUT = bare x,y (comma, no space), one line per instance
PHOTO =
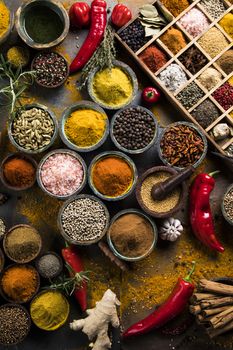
20,156
40,150
6,35
65,115
77,242
49,253
135,151
2,260
152,213
199,132
128,71
226,217
51,4
111,244
61,151
121,156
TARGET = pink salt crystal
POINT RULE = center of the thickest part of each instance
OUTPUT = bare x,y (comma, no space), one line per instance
62,174
194,22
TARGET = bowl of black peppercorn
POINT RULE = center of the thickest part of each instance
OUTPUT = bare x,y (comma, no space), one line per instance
134,129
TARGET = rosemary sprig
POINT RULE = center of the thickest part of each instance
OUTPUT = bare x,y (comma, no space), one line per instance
18,83
103,57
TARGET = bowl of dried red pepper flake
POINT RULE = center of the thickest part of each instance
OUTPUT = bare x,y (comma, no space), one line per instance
182,144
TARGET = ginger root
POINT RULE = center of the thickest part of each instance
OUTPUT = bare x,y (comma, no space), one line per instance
95,325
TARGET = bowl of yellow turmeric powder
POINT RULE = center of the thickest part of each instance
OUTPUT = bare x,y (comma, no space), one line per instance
84,126
6,22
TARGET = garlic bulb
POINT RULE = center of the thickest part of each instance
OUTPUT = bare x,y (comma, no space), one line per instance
171,229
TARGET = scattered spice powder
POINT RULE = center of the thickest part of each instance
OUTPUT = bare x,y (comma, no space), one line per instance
213,42
132,235
193,59
175,6
210,78
194,22
159,206
225,62
224,95
227,23
206,113
174,40
18,56
19,172
153,58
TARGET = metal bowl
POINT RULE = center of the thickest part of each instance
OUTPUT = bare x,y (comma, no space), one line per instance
118,155
20,22
67,112
21,156
5,36
128,71
193,126
226,217
60,151
2,260
111,245
152,213
40,150
135,151
49,253
76,242
5,244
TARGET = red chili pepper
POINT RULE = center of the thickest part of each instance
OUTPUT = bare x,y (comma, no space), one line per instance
71,257
79,14
95,35
150,94
171,308
200,211
121,15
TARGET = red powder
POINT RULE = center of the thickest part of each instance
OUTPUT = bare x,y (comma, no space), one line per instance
153,58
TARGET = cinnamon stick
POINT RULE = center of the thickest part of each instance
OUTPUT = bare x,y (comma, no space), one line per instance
195,309
107,252
215,311
201,320
215,287
220,320
200,296
212,303
215,332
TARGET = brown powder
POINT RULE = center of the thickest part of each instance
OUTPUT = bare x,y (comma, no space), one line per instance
174,40
132,235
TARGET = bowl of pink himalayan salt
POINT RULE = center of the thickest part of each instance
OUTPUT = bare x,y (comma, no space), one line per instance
62,173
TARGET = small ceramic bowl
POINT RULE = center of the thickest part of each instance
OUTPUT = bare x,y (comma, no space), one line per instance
133,79
155,232
17,306
40,150
6,35
78,106
56,6
118,155
2,260
60,262
61,82
154,214
199,132
135,151
20,301
6,249
17,156
62,151
224,213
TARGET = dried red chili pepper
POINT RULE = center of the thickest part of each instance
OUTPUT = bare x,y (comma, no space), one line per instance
172,307
200,211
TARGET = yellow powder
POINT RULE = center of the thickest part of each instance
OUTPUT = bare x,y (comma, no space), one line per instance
4,18
112,87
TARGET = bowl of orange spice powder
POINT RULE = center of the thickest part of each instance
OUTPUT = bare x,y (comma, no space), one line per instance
112,176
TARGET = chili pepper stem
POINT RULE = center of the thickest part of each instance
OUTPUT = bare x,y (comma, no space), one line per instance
66,244
188,277
214,173
149,94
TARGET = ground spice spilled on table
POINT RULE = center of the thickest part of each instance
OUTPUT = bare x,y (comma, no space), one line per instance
174,40
153,58
18,56
19,172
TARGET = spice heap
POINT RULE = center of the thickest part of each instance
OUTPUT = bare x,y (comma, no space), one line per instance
159,206
151,20
85,127
194,22
174,40
181,145
112,87
4,18
49,265
14,324
224,95
210,78
33,129
19,172
112,176
215,8
132,235
213,42
228,204
134,35
153,58
173,77
206,113
225,62
51,69
2,228
22,244
18,56
193,59
19,283
62,174
49,310
175,6
190,95
134,128
227,23
84,219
